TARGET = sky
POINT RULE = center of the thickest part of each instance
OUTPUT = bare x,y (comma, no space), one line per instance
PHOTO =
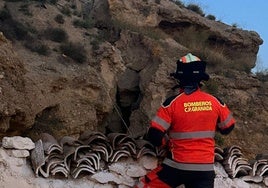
249,15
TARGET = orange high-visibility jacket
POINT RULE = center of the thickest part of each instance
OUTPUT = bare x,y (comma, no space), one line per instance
191,122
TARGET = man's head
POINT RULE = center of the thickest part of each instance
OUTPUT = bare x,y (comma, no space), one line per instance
190,70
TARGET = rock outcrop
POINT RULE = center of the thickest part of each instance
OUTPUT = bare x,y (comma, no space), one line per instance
130,51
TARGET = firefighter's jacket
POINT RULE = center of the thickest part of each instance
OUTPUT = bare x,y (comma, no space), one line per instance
190,122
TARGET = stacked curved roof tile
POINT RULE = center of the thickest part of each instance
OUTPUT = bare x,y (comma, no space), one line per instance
88,154
237,166
259,172
234,163
93,151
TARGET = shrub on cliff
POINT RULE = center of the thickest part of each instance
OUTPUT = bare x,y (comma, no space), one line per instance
74,51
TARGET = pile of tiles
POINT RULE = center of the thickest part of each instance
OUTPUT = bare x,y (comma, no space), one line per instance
94,152
90,153
237,166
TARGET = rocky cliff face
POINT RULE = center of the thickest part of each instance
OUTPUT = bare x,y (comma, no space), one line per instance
130,50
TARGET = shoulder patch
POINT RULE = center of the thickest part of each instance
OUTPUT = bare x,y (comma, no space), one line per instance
220,101
168,101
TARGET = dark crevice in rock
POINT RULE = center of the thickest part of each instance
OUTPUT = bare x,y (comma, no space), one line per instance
46,121
133,98
167,25
10,125
16,121
128,98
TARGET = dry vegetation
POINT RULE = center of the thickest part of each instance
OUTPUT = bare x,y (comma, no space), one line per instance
33,39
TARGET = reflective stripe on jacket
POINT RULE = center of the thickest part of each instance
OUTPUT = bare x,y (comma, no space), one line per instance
191,122
188,166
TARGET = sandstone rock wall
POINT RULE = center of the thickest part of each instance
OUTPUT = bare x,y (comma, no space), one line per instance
126,74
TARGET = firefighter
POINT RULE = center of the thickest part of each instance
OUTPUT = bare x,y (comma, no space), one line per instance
189,120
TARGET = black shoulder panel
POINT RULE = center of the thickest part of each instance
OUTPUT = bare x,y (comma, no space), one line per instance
169,100
222,103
